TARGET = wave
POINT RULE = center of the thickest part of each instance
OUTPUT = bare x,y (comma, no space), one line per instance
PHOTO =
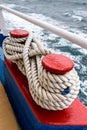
73,15
77,18
81,3
9,5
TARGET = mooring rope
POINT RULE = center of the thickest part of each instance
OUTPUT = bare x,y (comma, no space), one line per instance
47,89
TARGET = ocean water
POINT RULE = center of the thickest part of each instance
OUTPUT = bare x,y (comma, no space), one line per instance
67,14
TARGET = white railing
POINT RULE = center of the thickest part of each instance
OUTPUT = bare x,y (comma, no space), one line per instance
74,38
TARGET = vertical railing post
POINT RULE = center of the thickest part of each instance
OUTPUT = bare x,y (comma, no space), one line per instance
2,23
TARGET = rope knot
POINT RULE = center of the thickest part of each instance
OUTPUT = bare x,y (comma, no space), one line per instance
53,82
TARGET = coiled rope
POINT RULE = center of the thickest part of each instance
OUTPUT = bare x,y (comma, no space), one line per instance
46,88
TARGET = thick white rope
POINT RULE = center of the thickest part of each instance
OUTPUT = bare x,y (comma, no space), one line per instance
45,88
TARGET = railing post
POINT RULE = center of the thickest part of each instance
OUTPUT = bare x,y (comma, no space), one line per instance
2,23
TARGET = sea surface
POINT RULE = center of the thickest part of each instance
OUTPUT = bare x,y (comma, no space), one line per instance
67,14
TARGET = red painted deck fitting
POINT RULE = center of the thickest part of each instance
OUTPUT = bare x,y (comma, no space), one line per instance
57,63
19,33
75,115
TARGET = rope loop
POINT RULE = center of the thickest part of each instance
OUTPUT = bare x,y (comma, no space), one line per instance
50,91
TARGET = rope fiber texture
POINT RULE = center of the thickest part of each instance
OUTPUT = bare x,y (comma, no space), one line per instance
46,88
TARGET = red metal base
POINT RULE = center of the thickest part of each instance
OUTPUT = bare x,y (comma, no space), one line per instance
75,115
